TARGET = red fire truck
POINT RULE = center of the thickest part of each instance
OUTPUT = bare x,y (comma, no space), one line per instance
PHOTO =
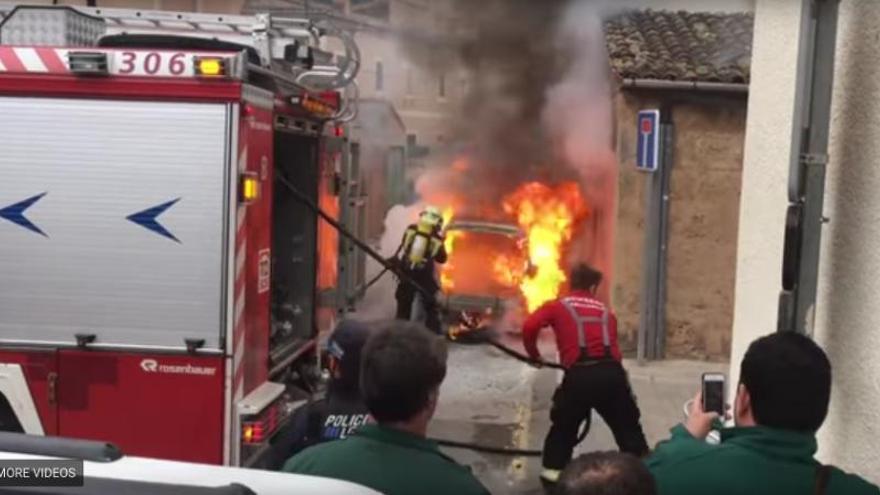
160,284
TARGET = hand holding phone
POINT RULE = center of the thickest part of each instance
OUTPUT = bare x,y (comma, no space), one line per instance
707,407
713,393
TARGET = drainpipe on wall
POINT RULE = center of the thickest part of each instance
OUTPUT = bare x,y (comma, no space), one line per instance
652,318
809,156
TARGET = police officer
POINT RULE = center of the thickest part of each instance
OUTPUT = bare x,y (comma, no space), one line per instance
586,337
342,409
420,249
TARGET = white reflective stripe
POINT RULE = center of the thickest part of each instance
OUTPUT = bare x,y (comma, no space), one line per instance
238,312
31,60
606,339
14,387
603,320
2,67
551,475
238,394
242,159
240,216
240,259
582,339
581,330
62,54
238,355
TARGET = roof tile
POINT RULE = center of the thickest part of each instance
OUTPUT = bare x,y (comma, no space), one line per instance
681,46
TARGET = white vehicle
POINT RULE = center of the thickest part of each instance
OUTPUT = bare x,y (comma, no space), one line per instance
106,471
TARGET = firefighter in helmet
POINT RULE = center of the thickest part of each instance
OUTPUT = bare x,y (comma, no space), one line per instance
420,249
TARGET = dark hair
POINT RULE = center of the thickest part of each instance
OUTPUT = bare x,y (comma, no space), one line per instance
606,473
401,364
584,277
788,378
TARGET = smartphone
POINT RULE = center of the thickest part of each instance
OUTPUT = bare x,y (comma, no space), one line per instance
713,393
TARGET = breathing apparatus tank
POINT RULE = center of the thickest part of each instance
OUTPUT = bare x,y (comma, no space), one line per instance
422,244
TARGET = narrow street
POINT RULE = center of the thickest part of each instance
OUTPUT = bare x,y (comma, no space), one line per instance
199,194
489,398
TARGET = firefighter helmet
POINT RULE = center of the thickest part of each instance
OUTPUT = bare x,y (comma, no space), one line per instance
431,215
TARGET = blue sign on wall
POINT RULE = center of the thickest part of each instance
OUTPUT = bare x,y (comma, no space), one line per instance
648,136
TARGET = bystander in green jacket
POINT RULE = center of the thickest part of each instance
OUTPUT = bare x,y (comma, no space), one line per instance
781,401
390,461
752,460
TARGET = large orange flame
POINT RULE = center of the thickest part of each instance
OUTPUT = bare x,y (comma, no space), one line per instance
548,215
508,269
469,256
483,263
446,282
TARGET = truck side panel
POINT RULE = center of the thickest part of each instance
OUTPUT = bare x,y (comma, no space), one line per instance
256,233
151,405
112,223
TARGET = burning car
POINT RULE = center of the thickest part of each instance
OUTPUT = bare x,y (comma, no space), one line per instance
487,262
509,257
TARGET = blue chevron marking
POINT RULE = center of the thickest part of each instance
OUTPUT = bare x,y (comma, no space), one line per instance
15,213
147,219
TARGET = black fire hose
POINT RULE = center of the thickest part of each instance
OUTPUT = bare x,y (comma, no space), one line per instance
503,450
409,280
522,357
399,273
373,281
486,450
359,243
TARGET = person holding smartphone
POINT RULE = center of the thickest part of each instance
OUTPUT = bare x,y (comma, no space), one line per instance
781,401
586,336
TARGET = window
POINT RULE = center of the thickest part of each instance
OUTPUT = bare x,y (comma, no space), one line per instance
441,86
380,76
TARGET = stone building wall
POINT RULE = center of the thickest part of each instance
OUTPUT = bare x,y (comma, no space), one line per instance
703,220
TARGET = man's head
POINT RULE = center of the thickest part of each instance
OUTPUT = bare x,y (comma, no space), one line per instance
584,278
402,367
606,473
344,348
785,383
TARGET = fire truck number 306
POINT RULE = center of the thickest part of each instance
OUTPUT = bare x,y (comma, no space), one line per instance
153,63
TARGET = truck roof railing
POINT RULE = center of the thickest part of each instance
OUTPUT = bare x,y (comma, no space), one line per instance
270,36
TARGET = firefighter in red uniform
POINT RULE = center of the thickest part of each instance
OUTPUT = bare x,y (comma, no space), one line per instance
586,336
